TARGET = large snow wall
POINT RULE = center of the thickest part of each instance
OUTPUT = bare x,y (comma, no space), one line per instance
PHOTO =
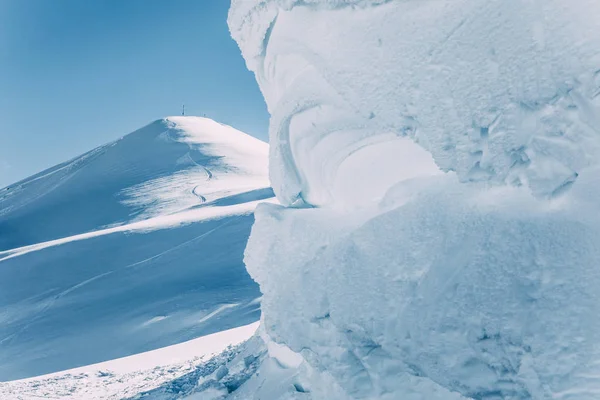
436,162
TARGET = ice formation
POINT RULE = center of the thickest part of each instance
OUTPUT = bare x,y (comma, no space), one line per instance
496,90
436,162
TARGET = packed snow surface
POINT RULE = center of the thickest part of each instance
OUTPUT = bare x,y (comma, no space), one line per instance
437,167
134,246
127,377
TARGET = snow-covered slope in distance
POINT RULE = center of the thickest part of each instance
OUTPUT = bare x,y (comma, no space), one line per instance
131,247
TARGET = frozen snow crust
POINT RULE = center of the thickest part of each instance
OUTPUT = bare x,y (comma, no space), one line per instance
490,294
501,91
391,279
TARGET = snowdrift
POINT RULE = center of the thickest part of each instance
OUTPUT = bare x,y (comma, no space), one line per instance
500,91
437,166
134,246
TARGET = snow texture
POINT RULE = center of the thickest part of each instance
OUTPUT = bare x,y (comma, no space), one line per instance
167,373
505,91
134,246
437,166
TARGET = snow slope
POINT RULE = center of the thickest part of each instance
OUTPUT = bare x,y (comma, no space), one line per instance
129,376
437,167
167,166
134,246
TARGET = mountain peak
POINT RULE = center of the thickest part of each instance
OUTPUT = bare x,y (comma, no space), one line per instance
202,130
167,166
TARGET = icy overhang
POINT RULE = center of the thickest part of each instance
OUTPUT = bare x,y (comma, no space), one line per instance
505,91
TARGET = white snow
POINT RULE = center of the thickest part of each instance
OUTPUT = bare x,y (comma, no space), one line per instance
506,91
389,278
128,376
230,162
459,286
144,226
438,236
134,246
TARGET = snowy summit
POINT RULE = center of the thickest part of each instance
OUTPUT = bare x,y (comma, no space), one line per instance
133,246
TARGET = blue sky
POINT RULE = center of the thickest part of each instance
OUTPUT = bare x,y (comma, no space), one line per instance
76,74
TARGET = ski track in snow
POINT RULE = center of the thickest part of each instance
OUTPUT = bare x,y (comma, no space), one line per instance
131,247
197,238
49,303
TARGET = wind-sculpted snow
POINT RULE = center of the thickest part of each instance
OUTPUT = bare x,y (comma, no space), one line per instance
487,294
436,162
505,91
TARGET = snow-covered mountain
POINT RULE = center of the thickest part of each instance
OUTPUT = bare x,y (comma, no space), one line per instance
133,246
168,166
438,232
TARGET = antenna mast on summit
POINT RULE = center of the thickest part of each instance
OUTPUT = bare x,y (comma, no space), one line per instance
183,111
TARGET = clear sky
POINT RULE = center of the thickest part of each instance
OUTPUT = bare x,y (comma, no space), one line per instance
75,74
